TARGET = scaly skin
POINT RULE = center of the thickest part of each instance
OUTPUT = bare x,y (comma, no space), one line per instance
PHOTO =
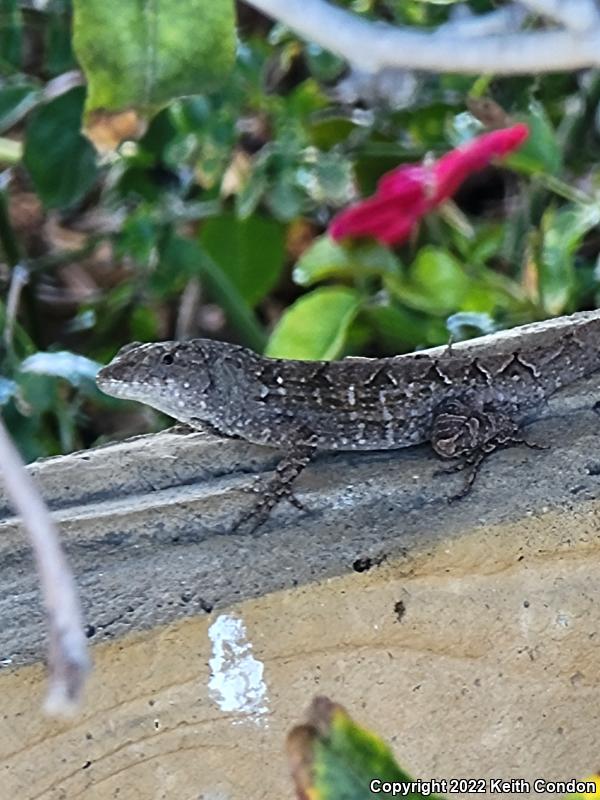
354,404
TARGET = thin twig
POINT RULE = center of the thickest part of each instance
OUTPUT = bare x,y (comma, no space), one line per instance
373,46
19,278
67,657
63,83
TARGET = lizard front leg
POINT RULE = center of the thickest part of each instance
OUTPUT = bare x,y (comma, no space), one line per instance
469,434
279,486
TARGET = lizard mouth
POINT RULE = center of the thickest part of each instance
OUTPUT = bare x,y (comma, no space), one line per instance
111,385
124,390
129,388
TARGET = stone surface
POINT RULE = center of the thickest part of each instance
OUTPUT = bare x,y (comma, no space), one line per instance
478,659
465,633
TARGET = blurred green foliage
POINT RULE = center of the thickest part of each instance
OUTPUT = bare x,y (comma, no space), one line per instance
227,195
53,138
331,757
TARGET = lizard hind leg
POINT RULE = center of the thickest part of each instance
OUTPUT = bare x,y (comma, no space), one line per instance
279,487
469,434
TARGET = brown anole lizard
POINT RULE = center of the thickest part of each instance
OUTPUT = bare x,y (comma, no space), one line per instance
465,400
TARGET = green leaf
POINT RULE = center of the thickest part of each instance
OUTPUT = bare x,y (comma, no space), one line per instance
400,329
60,160
326,133
324,65
39,392
72,367
437,282
563,232
332,758
248,198
250,251
143,54
11,35
8,389
438,272
306,99
332,180
465,324
327,259
541,152
486,243
138,236
315,326
284,200
57,40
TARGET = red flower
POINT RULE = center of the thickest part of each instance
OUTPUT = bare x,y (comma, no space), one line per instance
407,193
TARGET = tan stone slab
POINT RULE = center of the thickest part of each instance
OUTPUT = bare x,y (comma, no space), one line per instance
477,660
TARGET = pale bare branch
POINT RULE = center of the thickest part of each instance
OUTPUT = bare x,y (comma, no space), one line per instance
463,22
18,280
68,660
373,46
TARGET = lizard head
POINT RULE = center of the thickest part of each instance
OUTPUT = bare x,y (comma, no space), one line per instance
197,380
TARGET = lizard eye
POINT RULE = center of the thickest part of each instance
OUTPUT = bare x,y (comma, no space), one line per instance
167,358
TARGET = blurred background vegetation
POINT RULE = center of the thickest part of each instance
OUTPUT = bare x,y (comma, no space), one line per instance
213,221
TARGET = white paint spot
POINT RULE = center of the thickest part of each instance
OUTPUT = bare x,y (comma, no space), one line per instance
351,395
236,683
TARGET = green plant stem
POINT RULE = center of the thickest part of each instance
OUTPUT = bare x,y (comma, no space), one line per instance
563,189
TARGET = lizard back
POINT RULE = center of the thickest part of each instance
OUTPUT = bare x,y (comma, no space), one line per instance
390,403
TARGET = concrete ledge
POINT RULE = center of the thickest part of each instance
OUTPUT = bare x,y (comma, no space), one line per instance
145,522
